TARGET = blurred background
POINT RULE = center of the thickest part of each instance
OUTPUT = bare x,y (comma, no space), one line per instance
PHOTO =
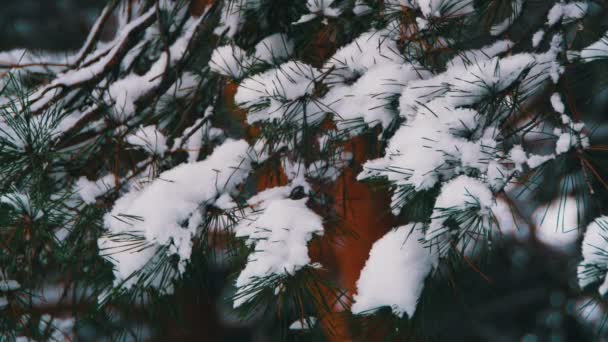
55,25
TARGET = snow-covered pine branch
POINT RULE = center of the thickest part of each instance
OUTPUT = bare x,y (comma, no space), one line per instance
247,118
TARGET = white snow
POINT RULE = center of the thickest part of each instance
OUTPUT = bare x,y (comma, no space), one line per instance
43,95
429,147
597,50
192,141
594,265
95,29
446,141
516,9
361,8
557,104
70,120
150,139
537,38
461,194
557,224
127,90
183,86
274,48
231,20
232,61
319,8
229,60
566,12
280,234
395,272
474,80
89,190
443,137
273,94
446,8
518,156
16,59
535,160
158,211
364,52
564,143
369,97
22,202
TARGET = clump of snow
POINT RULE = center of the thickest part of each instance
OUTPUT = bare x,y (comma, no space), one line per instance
21,202
361,8
593,267
535,160
537,38
231,19
566,12
319,8
274,48
443,137
591,312
150,139
167,211
545,67
564,143
229,60
192,139
183,86
430,147
462,194
516,8
370,96
232,61
475,80
124,92
395,272
89,190
558,223
518,156
557,104
434,8
364,52
280,234
276,94
595,51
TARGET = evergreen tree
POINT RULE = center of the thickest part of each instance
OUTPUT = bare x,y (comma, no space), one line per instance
320,169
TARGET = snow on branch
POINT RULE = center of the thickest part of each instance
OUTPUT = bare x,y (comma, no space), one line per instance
395,272
594,266
124,92
47,94
595,51
167,212
280,233
279,93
